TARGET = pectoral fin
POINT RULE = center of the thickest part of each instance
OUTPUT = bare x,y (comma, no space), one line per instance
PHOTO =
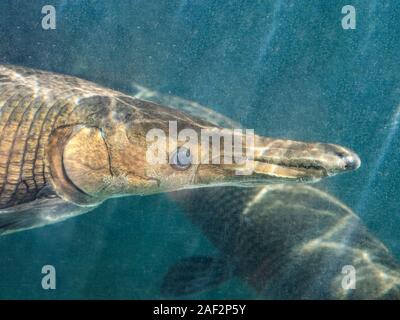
38,213
195,274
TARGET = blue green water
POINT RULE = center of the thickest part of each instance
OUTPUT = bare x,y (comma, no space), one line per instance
285,68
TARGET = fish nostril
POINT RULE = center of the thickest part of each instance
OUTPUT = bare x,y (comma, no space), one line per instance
352,163
349,165
349,159
340,154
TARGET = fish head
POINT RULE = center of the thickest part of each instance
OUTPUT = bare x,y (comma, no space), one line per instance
139,148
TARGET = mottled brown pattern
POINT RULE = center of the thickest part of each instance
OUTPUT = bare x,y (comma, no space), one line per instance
38,109
32,104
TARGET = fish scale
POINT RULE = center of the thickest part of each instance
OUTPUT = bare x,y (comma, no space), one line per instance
24,180
15,133
27,174
32,104
12,123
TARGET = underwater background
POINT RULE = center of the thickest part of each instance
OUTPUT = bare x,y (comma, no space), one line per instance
285,68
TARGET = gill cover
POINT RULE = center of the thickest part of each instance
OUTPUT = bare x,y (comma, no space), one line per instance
78,162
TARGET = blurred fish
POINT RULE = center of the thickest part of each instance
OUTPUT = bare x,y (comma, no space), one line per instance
285,241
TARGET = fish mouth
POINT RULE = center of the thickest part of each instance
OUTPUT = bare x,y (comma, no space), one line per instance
296,170
288,160
294,160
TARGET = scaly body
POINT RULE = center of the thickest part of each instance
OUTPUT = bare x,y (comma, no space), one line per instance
67,144
32,105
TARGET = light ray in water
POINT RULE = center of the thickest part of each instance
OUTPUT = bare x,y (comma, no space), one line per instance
266,43
372,25
393,128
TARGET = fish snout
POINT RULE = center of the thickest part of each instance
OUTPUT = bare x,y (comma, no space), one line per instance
301,161
347,160
352,162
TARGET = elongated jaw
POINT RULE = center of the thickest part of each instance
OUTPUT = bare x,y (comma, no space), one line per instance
279,160
293,160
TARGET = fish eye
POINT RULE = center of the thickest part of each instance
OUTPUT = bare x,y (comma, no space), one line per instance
181,159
